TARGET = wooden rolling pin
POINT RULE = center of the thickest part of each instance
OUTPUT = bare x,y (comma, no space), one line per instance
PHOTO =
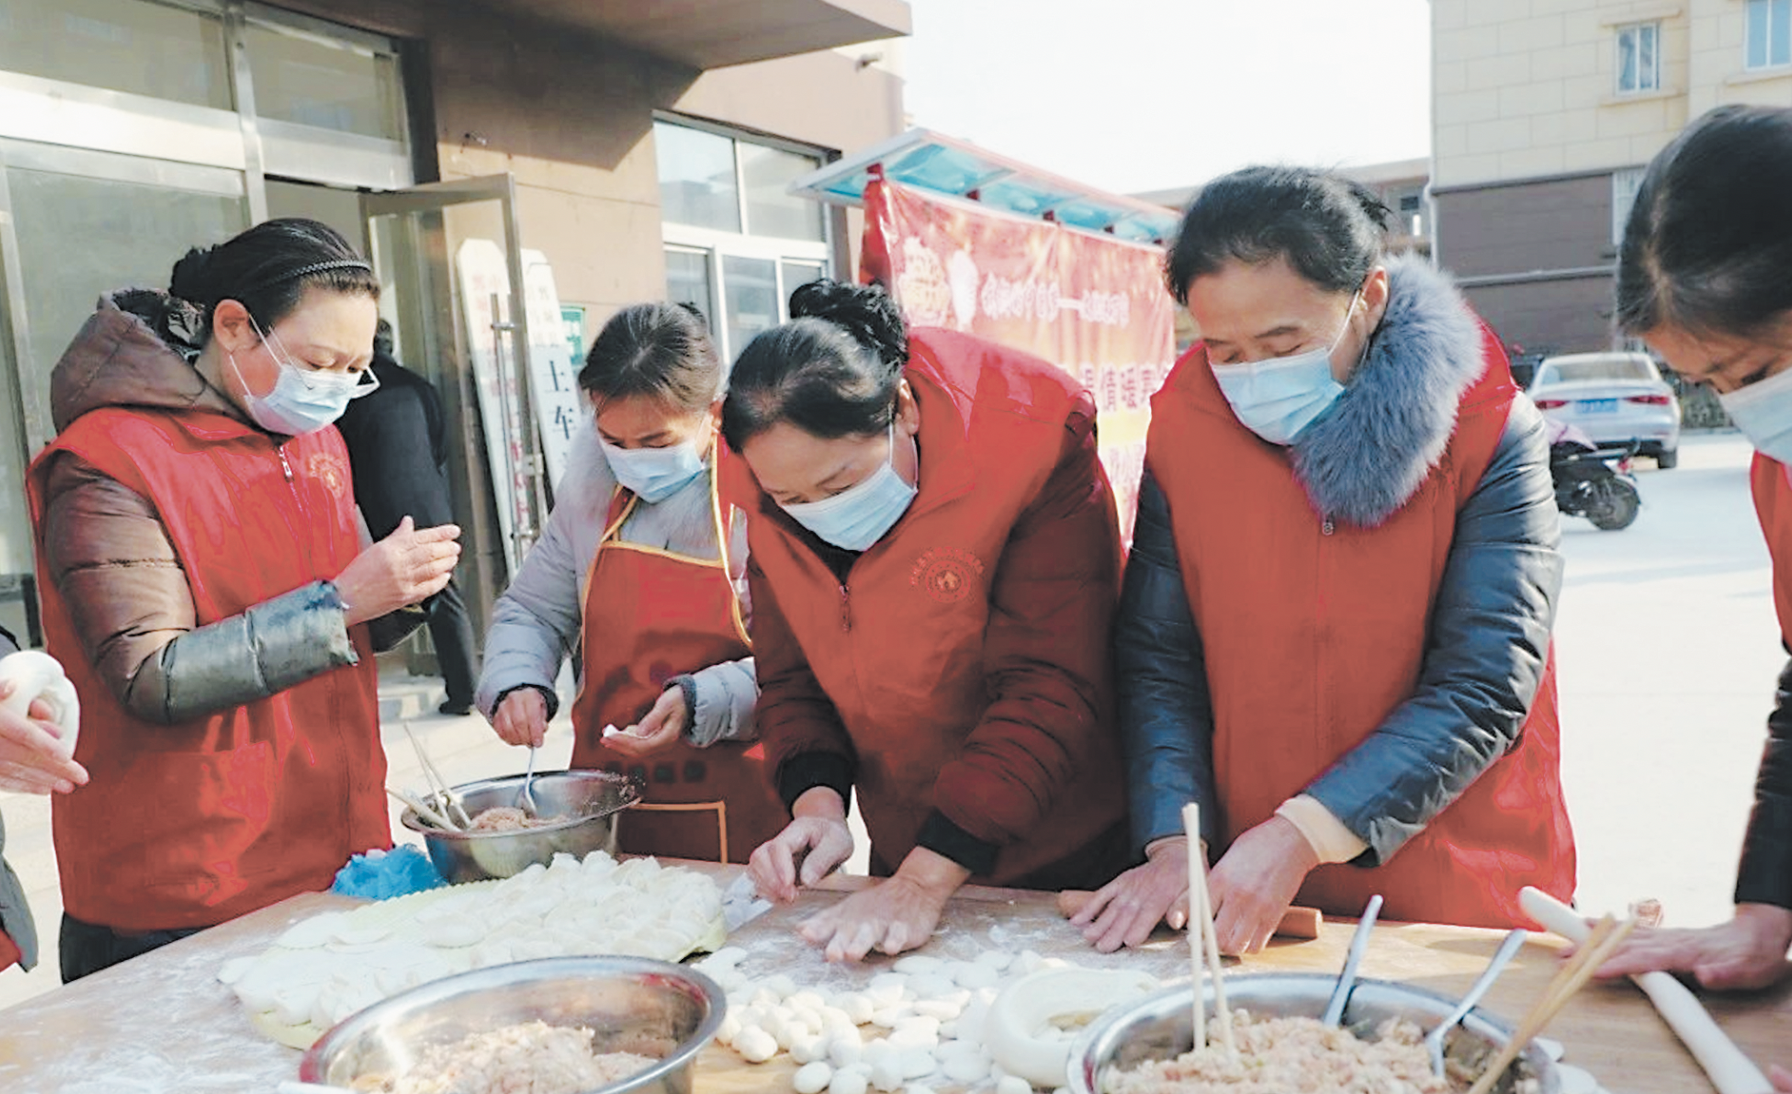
1296,922
1729,1070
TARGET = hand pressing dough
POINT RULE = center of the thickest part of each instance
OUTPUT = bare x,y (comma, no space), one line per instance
40,676
812,1078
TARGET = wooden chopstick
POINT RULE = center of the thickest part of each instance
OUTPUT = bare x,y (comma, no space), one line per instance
1200,918
450,805
423,811
1607,935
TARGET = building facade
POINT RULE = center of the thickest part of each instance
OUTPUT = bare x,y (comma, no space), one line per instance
1545,114
644,149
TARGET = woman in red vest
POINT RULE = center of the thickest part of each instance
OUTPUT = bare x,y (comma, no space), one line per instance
1705,278
935,563
642,571
1335,633
205,585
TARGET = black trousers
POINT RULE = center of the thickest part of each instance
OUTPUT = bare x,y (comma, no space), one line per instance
452,633
88,947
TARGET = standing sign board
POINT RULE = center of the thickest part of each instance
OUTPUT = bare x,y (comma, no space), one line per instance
484,280
1093,305
553,371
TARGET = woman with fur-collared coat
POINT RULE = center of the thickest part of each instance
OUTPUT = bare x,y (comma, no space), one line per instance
1335,628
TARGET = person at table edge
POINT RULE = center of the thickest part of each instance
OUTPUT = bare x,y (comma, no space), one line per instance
1335,629
934,566
1705,280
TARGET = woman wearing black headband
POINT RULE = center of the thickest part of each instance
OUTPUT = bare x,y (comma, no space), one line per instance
207,589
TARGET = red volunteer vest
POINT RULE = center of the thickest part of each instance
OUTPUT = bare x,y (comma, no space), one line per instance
899,651
1773,507
193,824
650,615
1314,633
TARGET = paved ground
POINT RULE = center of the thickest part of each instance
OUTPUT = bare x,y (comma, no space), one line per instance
1668,654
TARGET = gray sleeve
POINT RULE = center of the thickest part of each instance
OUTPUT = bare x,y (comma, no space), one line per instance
267,649
725,695
536,623
1484,655
118,574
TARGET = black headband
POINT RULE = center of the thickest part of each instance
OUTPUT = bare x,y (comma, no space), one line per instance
314,268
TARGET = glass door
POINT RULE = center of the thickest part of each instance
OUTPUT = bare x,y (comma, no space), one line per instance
449,261
75,224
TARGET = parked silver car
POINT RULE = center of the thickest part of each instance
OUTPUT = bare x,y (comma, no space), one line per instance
1612,398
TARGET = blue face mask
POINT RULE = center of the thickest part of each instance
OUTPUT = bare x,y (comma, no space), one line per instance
858,516
1279,397
654,474
303,400
1763,411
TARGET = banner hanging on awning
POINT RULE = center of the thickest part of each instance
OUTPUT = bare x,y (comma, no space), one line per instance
1094,306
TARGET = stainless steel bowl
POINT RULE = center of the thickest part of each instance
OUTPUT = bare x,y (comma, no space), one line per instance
1161,1025
589,800
629,1002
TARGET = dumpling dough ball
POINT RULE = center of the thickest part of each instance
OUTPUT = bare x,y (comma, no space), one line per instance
755,1045
848,1082
887,988
971,974
918,964
812,1077
846,1049
1013,1084
856,1006
886,1075
966,1069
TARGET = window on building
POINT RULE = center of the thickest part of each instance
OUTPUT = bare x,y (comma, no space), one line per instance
1767,43
1625,184
1639,57
736,240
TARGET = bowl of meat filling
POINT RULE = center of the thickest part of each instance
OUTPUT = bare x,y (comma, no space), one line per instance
1147,1047
576,814
571,1025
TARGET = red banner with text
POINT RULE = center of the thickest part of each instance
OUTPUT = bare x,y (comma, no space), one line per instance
1093,305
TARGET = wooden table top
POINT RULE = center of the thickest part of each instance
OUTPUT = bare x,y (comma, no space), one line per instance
163,1022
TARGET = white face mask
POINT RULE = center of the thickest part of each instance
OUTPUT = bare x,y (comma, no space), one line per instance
654,474
858,516
1763,411
303,400
1278,397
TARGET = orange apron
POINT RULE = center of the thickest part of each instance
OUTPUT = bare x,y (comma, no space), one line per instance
651,615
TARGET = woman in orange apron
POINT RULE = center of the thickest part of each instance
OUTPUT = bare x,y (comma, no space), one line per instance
1705,279
641,576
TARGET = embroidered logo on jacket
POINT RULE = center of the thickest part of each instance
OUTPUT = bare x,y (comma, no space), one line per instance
947,573
329,470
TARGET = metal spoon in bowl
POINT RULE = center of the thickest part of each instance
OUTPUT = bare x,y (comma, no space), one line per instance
525,795
1434,1041
1334,1009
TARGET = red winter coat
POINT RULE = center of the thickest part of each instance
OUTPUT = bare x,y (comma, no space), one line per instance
960,669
